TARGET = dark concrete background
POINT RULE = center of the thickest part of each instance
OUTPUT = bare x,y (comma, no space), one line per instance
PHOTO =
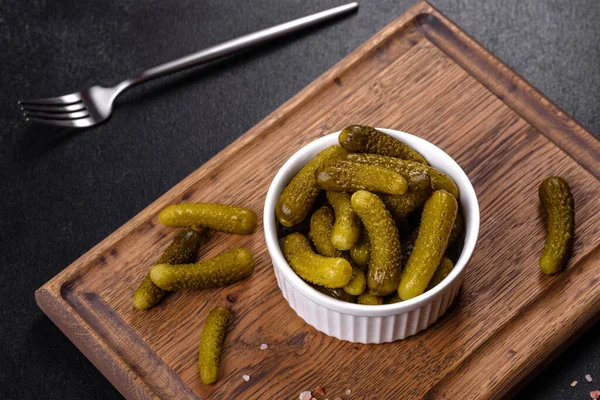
62,192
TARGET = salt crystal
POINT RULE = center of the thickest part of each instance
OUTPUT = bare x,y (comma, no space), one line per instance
319,390
305,395
246,377
338,398
348,392
595,394
588,378
264,346
573,384
314,398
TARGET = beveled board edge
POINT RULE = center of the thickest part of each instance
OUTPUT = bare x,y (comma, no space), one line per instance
548,118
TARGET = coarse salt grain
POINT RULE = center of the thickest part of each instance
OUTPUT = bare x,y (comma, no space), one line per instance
264,346
246,377
305,396
319,390
588,378
595,394
348,392
338,398
573,384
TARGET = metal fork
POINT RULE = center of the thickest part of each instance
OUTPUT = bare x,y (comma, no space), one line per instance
95,104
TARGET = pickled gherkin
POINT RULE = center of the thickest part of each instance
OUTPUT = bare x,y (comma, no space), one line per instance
385,257
211,344
312,267
297,198
220,217
557,202
419,190
360,252
182,250
370,299
457,229
321,226
338,293
441,272
437,219
345,176
365,139
439,180
224,269
357,284
346,228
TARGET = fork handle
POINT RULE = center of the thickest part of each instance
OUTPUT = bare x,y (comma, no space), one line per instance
234,46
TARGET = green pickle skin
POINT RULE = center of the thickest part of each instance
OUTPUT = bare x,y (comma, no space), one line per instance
370,299
312,267
224,269
439,180
360,252
345,176
419,190
457,228
441,272
211,344
321,226
558,204
346,228
385,258
219,217
338,293
182,250
297,198
437,219
358,282
365,139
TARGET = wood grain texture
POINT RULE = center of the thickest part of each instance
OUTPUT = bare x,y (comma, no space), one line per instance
423,75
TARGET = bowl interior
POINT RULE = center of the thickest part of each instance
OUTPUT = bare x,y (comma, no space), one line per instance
436,157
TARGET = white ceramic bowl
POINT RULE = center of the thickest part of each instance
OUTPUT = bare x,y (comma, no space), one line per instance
357,322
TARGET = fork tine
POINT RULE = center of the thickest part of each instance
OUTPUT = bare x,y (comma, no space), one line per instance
73,123
57,116
54,108
61,100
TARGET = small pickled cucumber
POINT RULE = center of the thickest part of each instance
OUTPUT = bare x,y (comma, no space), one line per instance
337,293
182,250
360,252
384,264
437,219
370,299
457,229
224,269
220,217
439,180
392,299
346,228
441,272
409,244
365,139
312,267
297,198
557,201
211,344
345,176
419,190
357,284
321,226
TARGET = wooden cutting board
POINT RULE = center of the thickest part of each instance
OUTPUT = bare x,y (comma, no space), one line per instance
423,75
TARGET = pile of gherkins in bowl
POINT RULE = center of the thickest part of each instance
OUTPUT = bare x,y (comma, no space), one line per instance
368,221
